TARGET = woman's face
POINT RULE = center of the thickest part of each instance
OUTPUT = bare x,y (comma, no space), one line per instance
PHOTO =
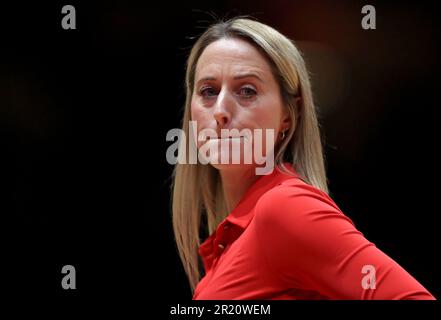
235,89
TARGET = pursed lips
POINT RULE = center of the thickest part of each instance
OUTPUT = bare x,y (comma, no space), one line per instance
235,138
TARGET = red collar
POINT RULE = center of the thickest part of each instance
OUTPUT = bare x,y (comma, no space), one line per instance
241,216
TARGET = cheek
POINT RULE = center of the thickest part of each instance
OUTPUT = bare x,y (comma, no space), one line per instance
193,110
269,115
200,115
197,113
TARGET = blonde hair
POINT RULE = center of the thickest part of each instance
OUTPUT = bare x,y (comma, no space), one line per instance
197,189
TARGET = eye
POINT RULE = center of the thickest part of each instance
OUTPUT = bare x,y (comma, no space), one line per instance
207,92
247,92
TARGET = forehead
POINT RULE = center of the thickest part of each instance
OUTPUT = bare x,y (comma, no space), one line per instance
231,54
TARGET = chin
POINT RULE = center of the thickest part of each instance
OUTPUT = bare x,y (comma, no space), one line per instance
232,167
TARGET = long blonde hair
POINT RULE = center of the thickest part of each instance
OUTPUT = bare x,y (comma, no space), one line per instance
197,189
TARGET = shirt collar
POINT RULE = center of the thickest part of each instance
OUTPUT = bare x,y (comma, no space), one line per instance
241,216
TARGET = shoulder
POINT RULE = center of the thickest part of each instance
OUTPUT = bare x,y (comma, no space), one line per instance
303,234
295,194
296,204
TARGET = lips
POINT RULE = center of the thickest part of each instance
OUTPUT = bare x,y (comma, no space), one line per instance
207,138
226,138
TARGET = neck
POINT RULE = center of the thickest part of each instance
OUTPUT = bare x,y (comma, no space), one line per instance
235,183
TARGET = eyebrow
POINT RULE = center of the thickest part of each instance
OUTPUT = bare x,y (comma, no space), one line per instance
248,75
236,77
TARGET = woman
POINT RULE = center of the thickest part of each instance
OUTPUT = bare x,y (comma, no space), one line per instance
273,236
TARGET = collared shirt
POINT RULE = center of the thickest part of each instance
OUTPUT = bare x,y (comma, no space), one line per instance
288,240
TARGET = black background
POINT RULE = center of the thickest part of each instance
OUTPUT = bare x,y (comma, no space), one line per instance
84,114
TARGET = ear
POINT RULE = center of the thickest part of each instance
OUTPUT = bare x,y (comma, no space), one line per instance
299,107
286,121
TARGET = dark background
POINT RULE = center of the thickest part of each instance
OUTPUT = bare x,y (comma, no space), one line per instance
84,114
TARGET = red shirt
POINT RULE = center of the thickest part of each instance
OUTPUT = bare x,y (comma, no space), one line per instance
288,240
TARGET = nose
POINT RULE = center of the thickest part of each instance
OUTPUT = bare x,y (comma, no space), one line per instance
223,109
